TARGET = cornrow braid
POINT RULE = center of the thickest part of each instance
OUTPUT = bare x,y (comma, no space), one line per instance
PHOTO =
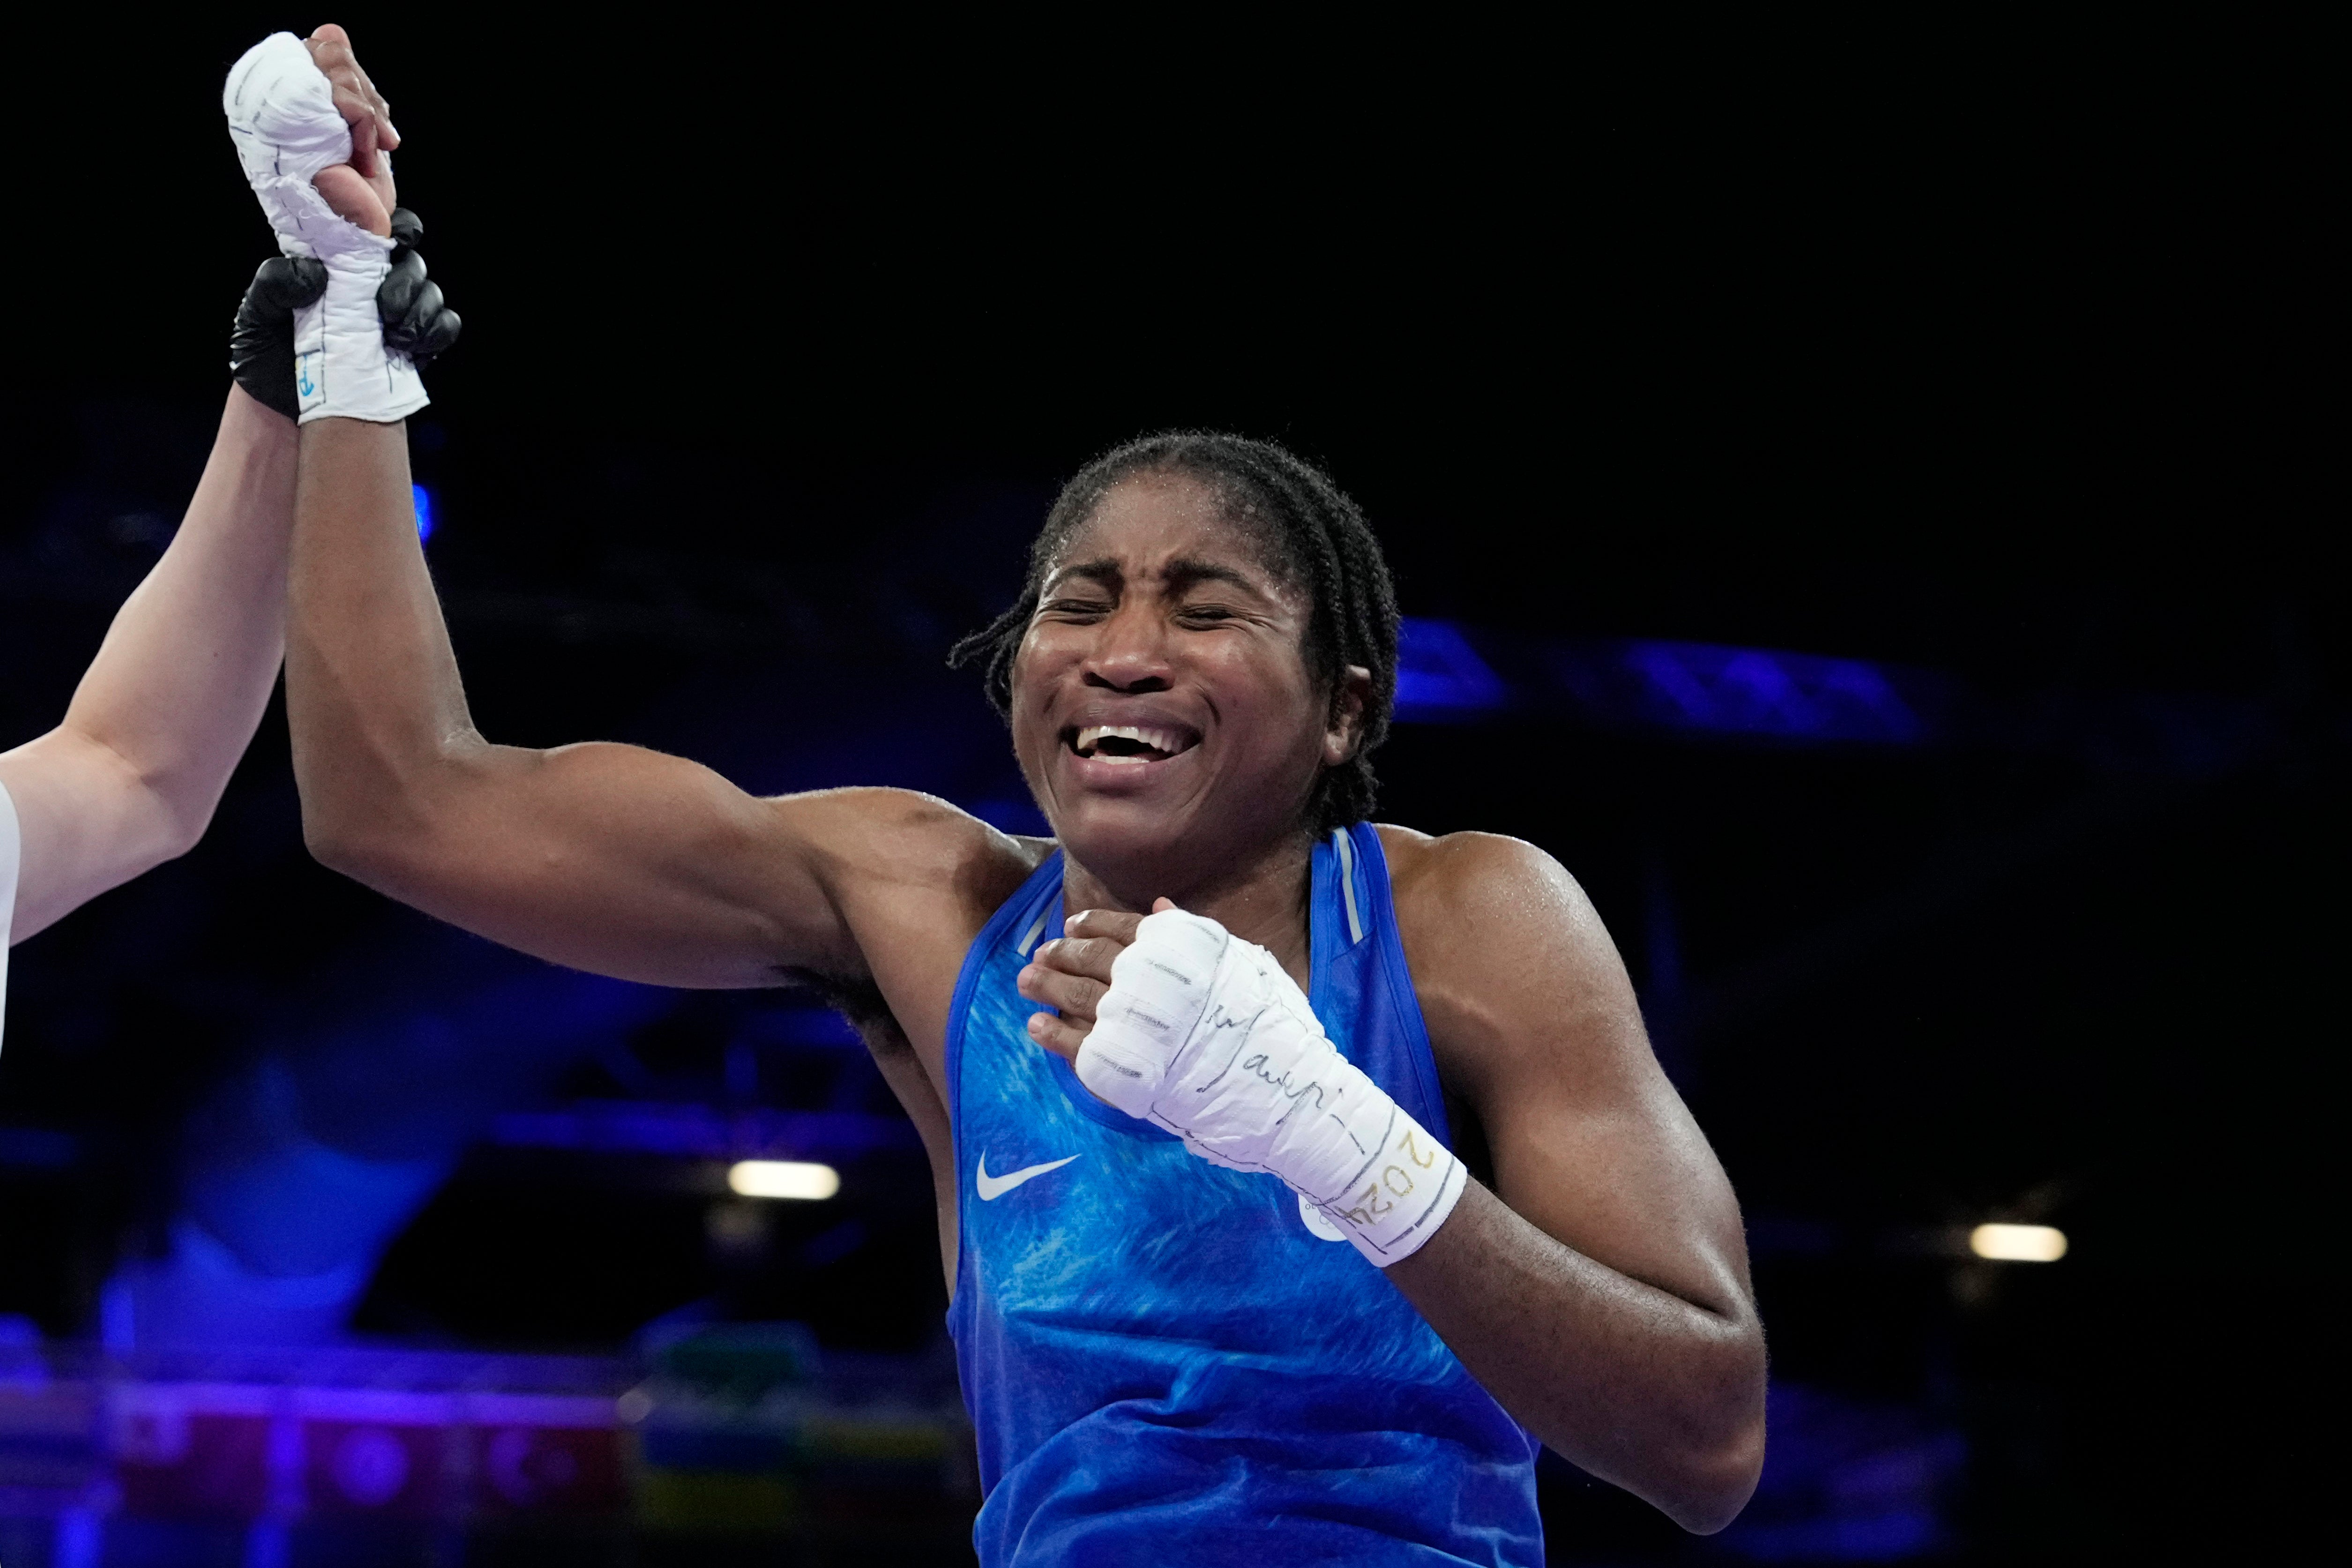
1314,538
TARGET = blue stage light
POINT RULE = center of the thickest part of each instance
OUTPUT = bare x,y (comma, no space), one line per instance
1766,692
423,512
1440,675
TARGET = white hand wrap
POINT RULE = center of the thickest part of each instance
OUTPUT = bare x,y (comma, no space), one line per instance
282,117
1202,1034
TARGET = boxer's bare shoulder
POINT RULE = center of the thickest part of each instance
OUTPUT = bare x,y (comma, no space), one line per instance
1498,935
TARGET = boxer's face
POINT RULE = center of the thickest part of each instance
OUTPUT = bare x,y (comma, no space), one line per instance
1161,699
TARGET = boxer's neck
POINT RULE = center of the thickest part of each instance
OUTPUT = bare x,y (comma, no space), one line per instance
1262,900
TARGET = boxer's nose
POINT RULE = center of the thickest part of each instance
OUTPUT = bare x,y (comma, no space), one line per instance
1131,655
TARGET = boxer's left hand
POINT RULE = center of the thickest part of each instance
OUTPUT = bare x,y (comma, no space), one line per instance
1175,1021
1071,973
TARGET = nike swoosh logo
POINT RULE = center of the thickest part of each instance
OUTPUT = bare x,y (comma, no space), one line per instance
995,1187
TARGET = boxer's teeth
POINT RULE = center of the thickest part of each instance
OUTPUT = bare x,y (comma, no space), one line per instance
1149,745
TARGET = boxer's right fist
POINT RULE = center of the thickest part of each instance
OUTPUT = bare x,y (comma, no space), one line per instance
290,132
364,109
283,121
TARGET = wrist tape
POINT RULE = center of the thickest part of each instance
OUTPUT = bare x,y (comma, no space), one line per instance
1202,1034
282,117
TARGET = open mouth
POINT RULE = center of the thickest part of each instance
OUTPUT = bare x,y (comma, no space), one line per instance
1130,742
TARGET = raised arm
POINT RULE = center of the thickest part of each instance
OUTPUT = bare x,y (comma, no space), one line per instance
130,779
605,857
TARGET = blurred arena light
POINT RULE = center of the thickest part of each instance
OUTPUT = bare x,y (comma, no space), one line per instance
1440,676
1443,676
1751,692
2015,1243
424,499
786,1179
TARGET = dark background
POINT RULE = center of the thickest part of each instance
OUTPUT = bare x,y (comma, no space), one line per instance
2006,359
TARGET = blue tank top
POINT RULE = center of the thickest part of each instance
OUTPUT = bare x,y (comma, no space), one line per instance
1165,1366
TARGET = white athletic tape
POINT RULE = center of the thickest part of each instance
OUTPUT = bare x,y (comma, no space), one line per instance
1202,1034
282,117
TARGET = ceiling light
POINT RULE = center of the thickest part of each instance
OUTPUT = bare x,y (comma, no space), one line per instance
789,1179
2011,1243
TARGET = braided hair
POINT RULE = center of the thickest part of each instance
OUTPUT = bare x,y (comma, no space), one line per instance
1314,538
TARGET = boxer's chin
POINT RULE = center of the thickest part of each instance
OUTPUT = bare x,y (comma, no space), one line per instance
1169,839
1105,831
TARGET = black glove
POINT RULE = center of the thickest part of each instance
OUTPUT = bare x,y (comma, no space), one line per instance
415,322
261,342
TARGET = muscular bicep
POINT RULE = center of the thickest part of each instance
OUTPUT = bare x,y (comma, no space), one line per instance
616,859
1537,1028
1617,1169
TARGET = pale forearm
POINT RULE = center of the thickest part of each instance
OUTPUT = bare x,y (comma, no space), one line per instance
1638,1385
184,673
132,775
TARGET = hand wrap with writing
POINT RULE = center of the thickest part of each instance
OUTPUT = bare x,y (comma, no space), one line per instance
1202,1034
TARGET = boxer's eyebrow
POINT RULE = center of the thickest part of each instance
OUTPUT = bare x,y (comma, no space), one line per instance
1103,572
1184,573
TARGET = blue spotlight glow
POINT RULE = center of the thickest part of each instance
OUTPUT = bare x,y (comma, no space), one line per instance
1739,692
423,511
1445,675
1760,691
1440,675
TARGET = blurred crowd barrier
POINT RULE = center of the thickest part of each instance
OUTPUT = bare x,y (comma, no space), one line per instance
713,1440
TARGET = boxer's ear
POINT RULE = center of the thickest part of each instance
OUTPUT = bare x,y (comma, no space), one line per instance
1343,735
